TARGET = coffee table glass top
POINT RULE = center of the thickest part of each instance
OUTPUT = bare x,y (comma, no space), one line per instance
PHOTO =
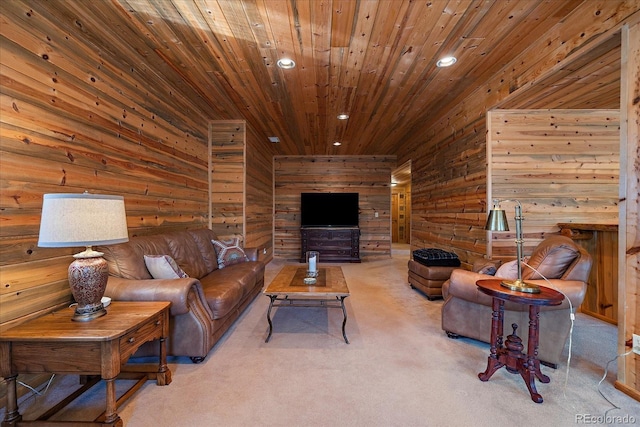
290,282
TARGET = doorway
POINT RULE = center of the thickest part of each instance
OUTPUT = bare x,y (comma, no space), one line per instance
401,205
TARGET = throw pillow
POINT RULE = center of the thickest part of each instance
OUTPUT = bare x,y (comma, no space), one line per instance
509,270
551,258
229,252
486,267
163,267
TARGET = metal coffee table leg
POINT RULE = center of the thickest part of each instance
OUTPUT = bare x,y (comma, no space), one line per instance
273,298
344,322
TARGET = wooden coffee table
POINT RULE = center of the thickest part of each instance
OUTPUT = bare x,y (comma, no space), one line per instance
289,290
97,349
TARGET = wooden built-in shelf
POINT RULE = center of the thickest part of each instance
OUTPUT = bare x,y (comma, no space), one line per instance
601,241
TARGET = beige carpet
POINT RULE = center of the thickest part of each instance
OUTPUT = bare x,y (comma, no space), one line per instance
399,370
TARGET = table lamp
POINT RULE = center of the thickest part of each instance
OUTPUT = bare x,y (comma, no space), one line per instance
497,221
70,220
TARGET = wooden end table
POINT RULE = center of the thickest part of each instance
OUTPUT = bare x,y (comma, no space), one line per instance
510,353
55,344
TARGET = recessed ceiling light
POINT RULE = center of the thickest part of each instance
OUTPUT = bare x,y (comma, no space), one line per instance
274,139
447,61
337,143
343,116
286,63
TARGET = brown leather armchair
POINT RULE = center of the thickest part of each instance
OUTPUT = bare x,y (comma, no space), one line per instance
467,311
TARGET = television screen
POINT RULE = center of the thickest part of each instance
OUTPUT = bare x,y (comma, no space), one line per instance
329,209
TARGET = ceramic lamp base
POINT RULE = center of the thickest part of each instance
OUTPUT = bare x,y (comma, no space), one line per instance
85,315
88,276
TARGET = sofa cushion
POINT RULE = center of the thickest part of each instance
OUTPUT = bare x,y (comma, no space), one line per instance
222,295
203,237
187,253
229,252
126,260
551,258
163,267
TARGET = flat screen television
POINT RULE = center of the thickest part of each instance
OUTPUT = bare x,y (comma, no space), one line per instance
329,209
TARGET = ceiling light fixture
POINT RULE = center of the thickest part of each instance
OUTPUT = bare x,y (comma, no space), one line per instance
337,143
274,139
286,63
343,116
447,61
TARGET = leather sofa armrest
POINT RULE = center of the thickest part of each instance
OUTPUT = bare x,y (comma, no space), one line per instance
174,290
462,284
251,253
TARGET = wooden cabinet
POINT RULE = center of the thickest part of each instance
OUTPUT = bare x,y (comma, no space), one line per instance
335,244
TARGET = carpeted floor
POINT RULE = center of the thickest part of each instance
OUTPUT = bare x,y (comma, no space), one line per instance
399,370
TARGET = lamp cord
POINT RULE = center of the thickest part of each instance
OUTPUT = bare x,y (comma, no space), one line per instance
573,317
606,370
34,390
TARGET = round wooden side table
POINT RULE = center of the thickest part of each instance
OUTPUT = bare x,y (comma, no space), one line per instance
509,353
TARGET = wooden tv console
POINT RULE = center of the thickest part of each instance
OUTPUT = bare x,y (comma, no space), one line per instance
335,244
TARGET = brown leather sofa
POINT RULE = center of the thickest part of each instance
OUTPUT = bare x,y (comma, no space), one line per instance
467,312
203,305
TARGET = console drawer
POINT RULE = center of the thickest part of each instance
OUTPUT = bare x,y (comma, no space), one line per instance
130,342
334,244
316,243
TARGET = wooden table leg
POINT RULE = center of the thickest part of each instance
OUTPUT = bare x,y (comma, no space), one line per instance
531,370
111,416
12,415
164,374
497,320
534,326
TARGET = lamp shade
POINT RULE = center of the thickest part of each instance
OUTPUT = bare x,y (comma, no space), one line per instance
86,219
497,220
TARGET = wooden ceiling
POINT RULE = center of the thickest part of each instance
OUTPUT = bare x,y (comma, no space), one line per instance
372,59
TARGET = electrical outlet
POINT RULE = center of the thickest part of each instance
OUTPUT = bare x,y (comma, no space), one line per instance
636,344
375,214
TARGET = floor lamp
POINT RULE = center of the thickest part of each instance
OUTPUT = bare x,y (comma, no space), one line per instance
497,221
71,220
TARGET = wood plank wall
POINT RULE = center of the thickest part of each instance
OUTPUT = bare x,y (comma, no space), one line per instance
448,186
227,168
370,176
449,163
258,224
629,247
68,123
562,165
241,170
